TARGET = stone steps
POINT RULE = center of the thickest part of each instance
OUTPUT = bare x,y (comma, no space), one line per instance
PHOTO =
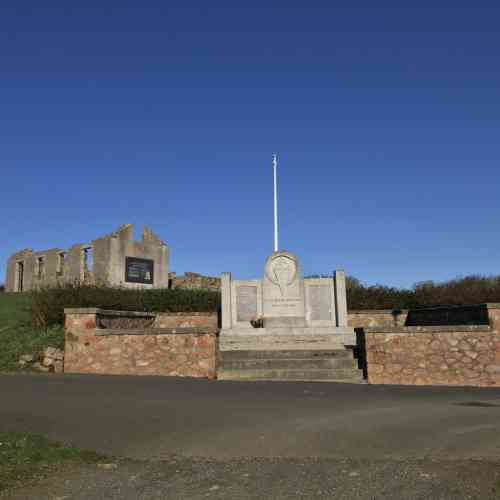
336,365
282,354
290,364
331,375
285,342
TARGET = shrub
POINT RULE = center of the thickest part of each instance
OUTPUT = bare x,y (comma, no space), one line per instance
48,304
460,291
17,334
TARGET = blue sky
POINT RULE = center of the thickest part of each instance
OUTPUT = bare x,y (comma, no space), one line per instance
386,120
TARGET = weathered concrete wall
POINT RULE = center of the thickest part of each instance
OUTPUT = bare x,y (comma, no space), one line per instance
155,351
11,281
453,355
32,278
151,247
109,254
51,258
375,317
73,269
102,259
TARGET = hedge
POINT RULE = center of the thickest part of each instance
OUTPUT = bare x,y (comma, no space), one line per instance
457,292
48,304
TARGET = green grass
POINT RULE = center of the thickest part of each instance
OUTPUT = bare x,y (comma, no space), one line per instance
18,336
27,457
14,309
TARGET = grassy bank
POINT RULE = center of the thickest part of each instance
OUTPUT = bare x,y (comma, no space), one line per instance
27,457
17,335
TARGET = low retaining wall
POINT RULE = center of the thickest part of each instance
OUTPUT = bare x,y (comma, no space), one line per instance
444,355
121,343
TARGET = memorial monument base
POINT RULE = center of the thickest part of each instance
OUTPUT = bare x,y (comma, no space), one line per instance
304,334
287,338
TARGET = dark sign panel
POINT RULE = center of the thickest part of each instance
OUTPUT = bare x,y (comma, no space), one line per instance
139,270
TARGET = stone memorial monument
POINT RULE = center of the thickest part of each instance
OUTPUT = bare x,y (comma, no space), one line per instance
284,311
284,327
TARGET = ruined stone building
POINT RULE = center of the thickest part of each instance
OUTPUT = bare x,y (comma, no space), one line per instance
194,281
113,260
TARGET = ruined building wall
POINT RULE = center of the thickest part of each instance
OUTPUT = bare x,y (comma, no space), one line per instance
104,264
194,281
151,247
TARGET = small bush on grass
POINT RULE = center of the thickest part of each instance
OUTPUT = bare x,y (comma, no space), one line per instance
18,336
48,304
25,339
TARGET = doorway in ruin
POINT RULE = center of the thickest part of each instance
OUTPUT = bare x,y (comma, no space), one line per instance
20,276
88,264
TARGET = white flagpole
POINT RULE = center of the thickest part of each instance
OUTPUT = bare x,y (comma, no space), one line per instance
275,168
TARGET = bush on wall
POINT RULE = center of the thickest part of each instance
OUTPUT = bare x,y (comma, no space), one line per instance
48,304
458,292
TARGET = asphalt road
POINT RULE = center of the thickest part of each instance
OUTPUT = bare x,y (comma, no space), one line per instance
155,418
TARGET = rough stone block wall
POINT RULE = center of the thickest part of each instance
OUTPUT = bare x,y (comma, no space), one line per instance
375,318
91,350
189,355
468,355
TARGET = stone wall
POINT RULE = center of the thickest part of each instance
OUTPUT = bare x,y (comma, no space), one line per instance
200,320
452,355
178,350
376,317
194,281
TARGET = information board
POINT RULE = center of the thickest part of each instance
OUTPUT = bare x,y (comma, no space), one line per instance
139,270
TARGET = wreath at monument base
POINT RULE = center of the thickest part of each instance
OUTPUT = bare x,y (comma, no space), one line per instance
257,322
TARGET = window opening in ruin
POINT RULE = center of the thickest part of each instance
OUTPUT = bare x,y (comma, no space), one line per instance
20,276
88,262
41,267
60,263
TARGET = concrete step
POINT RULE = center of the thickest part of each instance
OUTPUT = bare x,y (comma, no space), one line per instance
284,342
288,363
344,375
283,354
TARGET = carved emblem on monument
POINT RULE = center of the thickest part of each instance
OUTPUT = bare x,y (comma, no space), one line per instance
282,271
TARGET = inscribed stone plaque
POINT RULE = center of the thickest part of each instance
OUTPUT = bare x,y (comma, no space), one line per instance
246,302
320,302
282,288
139,270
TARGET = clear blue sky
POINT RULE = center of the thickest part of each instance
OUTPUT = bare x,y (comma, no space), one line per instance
386,119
